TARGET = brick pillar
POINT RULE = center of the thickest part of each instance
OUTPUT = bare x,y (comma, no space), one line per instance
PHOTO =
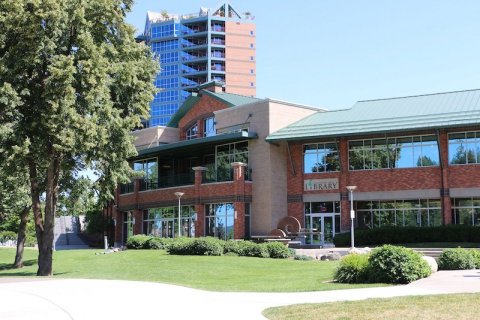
199,206
138,226
239,196
445,187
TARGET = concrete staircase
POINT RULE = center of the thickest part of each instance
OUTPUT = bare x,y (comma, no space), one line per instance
67,230
431,252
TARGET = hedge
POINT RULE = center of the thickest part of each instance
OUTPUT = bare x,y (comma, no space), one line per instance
210,246
396,235
457,259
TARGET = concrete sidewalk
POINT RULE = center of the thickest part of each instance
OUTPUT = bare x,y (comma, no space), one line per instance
113,299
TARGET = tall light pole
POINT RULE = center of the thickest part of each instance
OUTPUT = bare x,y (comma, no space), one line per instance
179,195
352,213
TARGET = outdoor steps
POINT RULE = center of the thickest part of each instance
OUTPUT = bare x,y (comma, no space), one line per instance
67,233
431,252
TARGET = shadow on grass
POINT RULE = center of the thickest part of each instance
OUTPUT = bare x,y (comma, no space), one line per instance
9,266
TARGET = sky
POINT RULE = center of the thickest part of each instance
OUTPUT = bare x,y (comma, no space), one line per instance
332,53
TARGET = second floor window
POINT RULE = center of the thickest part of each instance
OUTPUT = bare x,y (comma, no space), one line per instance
399,152
209,127
149,167
320,157
192,133
464,148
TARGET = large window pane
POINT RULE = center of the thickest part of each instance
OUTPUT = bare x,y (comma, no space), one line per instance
321,157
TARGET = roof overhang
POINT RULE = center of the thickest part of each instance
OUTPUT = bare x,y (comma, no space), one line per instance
186,147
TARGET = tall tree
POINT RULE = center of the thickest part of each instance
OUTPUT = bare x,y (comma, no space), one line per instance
76,81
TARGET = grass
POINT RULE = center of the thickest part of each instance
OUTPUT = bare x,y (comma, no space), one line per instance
225,273
445,307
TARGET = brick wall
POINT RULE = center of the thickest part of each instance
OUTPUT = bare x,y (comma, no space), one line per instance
392,180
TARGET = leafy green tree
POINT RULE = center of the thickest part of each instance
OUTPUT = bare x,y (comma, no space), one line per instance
77,197
15,202
73,84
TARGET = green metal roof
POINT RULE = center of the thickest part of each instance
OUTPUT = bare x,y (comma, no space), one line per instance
230,99
429,111
189,146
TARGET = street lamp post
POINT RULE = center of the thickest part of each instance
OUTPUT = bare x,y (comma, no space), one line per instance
179,195
352,213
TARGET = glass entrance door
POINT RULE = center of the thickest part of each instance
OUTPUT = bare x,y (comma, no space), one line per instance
322,227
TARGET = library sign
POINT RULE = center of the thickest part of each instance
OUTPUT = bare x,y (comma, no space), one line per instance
320,184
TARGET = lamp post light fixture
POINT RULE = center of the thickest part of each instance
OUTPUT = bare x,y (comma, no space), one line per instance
179,195
352,213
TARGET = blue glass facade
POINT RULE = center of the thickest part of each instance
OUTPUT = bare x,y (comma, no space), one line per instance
191,52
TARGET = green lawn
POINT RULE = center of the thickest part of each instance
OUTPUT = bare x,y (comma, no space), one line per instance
445,307
225,273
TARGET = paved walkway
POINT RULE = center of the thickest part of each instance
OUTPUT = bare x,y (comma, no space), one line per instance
111,299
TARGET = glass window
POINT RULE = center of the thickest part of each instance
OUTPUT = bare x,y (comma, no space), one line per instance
412,213
209,127
401,152
219,220
192,132
466,211
320,157
163,222
149,167
226,154
464,148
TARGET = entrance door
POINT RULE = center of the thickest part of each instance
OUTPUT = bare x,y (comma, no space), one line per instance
323,228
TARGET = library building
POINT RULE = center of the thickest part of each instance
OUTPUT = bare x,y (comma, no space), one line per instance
238,167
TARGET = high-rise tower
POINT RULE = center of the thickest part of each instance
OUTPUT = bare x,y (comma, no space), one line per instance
211,45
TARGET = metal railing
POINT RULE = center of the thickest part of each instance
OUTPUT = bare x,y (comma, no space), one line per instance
223,175
126,188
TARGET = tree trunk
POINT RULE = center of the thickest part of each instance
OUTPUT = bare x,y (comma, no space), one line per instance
22,228
45,249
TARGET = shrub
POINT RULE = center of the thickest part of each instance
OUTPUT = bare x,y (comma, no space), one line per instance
30,241
456,259
302,257
252,249
208,246
391,264
231,247
7,235
476,257
353,268
158,243
137,241
278,250
180,246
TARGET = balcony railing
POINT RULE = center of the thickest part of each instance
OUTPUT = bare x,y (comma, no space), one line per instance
218,28
192,57
218,55
223,175
126,188
218,41
167,181
218,68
